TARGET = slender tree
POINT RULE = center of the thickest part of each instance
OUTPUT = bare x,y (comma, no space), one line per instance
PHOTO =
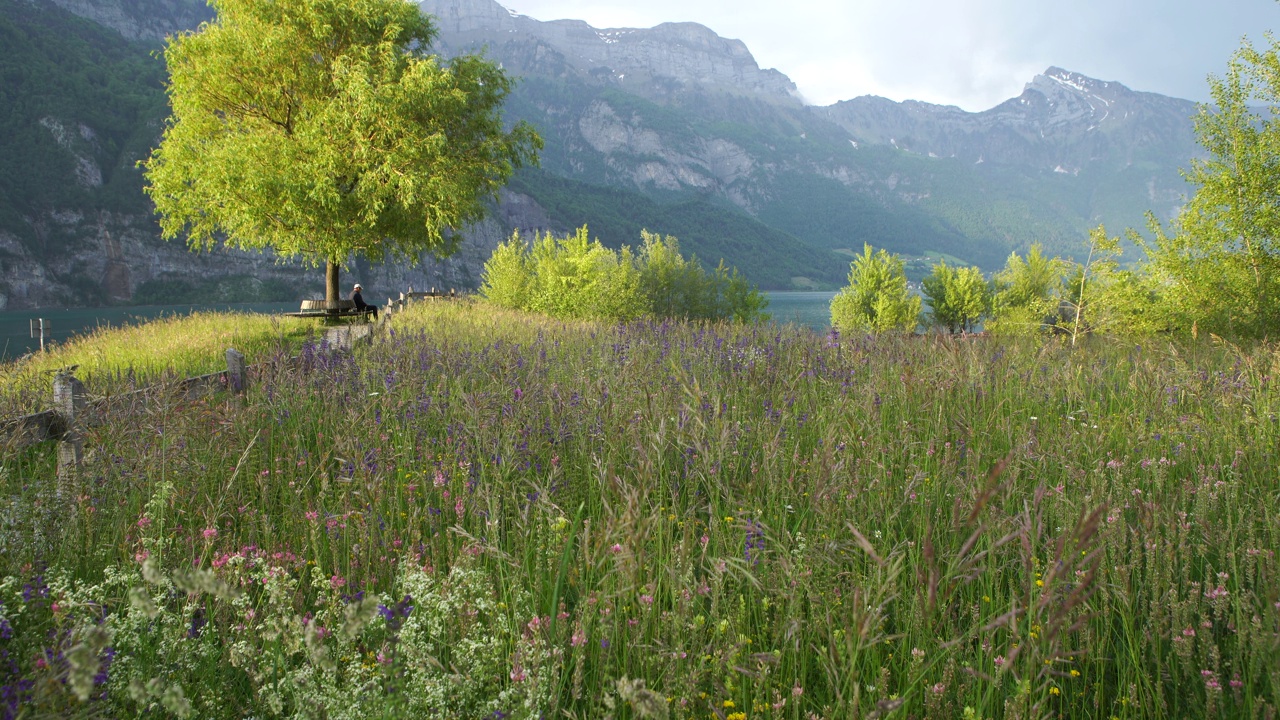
1219,270
322,128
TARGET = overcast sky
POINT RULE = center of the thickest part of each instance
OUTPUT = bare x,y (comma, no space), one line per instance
971,53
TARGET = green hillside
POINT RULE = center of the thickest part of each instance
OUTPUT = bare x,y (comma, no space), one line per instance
64,76
707,228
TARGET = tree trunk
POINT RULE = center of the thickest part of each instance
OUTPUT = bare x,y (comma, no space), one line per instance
331,291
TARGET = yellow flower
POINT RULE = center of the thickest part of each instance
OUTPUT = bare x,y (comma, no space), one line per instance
728,518
1075,673
1039,583
1054,691
728,703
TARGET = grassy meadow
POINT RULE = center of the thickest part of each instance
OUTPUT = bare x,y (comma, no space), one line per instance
121,359
488,514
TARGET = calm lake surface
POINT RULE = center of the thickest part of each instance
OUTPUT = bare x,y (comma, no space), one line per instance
811,309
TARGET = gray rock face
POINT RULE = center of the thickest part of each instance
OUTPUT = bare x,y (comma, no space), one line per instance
1062,121
654,62
147,20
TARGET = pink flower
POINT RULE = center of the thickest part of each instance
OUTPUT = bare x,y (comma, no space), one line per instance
517,674
999,661
1189,632
1215,593
144,522
616,548
578,639
312,514
646,600
797,691
458,508
439,481
141,556
939,689
337,581
209,533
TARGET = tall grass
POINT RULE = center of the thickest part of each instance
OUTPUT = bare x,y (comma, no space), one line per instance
489,514
123,358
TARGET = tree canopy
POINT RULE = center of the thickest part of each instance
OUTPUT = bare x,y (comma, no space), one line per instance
322,128
876,298
1220,269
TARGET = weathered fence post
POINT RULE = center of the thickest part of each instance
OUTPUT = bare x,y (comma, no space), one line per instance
237,371
68,403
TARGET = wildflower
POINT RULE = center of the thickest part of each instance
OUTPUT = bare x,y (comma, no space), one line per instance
646,600
1075,673
1054,691
728,703
439,481
999,661
144,522
796,690
578,639
458,508
337,581
616,548
1236,684
917,654
209,533
312,515
939,689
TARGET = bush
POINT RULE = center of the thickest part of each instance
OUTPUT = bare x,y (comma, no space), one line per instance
575,277
876,298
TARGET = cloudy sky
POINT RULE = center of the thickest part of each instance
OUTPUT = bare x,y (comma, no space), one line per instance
971,53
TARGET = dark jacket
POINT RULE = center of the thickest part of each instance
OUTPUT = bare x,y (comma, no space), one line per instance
358,300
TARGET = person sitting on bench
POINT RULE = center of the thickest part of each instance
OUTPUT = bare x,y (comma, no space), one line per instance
358,299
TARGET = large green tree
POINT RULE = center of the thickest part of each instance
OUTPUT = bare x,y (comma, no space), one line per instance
1219,270
323,128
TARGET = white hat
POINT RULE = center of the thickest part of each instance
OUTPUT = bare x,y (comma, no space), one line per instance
358,287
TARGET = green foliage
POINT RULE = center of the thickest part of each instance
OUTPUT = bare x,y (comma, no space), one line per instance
1219,271
574,277
1026,293
876,298
320,128
957,297
1103,297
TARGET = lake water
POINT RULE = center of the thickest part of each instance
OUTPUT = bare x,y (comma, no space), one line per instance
811,309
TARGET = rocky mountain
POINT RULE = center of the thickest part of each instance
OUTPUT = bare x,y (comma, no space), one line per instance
672,128
676,110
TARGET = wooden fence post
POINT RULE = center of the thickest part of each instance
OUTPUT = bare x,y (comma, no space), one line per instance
68,403
237,371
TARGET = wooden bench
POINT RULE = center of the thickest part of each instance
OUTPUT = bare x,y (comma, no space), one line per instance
336,311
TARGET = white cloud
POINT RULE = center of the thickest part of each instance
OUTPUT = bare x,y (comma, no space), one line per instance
971,53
